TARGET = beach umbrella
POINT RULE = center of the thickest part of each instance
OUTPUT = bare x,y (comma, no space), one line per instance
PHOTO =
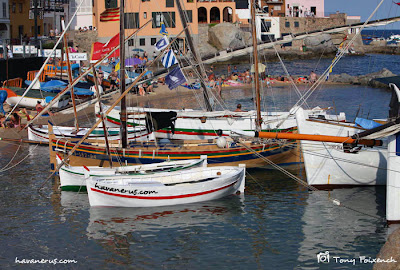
130,62
261,68
137,50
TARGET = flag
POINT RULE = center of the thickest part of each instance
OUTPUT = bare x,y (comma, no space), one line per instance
162,43
397,3
97,49
163,30
175,78
111,44
169,59
110,15
118,66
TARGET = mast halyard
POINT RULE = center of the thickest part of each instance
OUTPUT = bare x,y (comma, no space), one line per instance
123,116
194,52
255,57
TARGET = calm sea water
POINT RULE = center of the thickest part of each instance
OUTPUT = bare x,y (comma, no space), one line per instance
277,224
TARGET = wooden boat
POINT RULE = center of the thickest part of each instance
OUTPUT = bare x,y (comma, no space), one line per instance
186,186
72,178
336,164
198,125
41,133
233,154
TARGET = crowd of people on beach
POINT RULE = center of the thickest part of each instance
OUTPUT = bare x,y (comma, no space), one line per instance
234,77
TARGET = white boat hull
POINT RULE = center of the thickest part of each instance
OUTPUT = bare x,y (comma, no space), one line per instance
393,184
188,186
327,164
199,125
36,133
32,102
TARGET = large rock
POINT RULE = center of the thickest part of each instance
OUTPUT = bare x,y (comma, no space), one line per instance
320,43
206,49
226,35
343,78
368,78
390,252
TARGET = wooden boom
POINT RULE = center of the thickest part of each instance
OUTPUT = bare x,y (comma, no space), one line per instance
318,138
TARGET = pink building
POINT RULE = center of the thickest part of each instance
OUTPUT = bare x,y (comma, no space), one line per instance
304,8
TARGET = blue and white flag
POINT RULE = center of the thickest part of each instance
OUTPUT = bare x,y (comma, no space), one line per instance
163,30
175,78
169,59
162,43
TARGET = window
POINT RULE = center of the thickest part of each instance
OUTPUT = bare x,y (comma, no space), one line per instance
131,20
38,30
131,42
277,8
142,42
296,24
13,6
287,24
110,3
169,3
20,7
145,0
189,16
20,31
265,25
4,10
313,11
144,15
153,41
190,1
167,17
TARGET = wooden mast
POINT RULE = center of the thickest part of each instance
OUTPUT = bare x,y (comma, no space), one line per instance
70,79
102,115
123,116
255,57
197,59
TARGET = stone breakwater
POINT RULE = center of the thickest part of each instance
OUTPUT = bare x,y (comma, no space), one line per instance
390,251
367,79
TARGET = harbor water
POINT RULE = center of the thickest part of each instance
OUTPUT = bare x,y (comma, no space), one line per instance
276,224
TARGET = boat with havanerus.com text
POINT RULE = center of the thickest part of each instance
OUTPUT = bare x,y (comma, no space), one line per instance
181,187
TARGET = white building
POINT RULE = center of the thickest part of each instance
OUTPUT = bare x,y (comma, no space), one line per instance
4,20
84,17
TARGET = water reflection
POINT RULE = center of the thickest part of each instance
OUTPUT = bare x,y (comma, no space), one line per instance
105,223
342,232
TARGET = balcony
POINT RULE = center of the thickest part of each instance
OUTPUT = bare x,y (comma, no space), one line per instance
213,1
279,2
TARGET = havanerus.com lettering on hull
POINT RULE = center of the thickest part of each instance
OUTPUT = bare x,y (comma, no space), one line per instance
125,191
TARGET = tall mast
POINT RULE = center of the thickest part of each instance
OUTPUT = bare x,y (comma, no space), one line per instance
124,139
70,78
255,57
197,59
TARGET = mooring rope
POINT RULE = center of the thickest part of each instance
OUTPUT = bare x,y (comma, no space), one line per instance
305,184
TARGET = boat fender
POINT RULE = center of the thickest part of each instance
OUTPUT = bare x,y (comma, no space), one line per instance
221,142
219,132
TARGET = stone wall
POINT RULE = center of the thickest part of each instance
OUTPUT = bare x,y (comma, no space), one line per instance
294,25
85,40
